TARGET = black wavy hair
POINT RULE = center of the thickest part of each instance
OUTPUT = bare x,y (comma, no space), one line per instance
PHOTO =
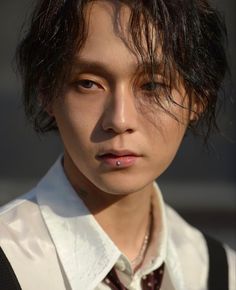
192,35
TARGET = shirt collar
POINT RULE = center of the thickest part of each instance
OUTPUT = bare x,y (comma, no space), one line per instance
156,252
85,251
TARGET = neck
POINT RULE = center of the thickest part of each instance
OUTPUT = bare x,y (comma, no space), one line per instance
126,222
127,219
124,218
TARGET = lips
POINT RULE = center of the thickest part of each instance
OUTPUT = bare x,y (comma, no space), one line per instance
118,159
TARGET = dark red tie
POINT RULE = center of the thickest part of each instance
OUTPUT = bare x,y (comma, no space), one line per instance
151,281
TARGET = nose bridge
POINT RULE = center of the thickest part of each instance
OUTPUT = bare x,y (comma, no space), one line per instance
121,110
121,104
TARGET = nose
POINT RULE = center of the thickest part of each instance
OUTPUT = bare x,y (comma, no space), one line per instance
120,114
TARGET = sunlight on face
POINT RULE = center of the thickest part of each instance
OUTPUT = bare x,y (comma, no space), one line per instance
107,114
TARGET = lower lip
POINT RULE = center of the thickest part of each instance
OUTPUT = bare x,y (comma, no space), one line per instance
119,161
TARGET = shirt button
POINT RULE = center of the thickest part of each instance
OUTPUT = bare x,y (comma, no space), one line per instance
120,265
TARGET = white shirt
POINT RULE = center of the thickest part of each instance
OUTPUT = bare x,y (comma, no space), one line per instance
54,242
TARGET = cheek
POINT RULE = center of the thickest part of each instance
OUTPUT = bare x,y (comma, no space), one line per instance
167,126
167,136
76,116
73,129
169,121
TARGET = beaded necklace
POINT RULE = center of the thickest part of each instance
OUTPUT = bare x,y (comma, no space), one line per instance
152,281
136,262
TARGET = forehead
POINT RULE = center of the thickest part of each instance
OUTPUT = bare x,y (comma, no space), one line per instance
108,37
109,16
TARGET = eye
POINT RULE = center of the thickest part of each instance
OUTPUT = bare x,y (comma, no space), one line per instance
87,84
152,86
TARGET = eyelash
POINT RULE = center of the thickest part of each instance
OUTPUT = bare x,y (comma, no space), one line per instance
154,86
148,87
82,84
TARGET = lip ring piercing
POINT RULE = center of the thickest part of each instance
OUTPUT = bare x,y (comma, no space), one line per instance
118,163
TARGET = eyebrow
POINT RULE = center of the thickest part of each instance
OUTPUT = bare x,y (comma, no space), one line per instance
83,65
98,67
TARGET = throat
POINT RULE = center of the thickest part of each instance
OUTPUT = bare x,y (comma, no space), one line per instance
126,219
131,235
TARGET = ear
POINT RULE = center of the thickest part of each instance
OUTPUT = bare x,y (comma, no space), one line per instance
48,107
197,108
194,115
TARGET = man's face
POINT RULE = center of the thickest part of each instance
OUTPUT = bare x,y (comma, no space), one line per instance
115,138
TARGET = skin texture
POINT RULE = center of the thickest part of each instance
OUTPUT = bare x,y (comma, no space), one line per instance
112,111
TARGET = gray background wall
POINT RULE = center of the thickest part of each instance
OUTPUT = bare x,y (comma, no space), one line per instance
201,185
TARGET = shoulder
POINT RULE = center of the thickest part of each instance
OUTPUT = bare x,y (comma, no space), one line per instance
190,245
231,257
181,231
22,228
20,217
25,209
14,205
18,211
27,244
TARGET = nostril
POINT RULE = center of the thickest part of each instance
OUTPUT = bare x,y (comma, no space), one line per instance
129,130
118,130
110,130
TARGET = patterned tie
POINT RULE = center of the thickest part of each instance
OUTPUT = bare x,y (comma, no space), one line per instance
151,281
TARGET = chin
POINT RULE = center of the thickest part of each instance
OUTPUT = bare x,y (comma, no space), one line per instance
123,185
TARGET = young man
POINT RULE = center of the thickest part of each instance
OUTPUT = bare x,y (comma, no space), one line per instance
122,82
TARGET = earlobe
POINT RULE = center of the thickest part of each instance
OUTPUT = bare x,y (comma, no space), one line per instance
49,110
196,111
194,114
46,107
45,103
